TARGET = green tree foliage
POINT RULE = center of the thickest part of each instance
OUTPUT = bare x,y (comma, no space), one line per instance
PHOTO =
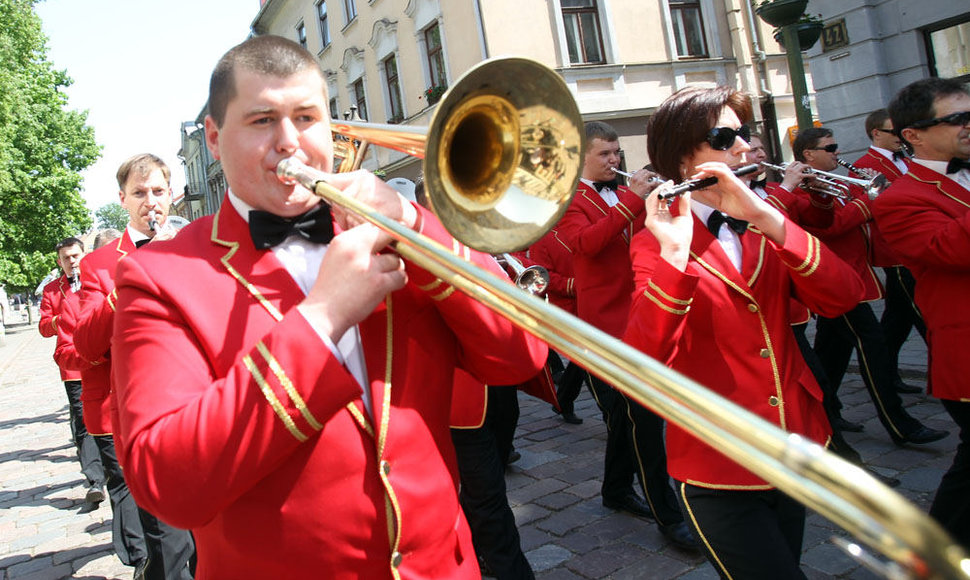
112,215
43,148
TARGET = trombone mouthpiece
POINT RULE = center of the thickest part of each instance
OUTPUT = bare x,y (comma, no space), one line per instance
287,170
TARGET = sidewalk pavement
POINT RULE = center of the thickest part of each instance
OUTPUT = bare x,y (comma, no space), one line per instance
46,532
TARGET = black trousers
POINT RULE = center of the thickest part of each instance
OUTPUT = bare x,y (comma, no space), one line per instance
901,314
951,506
634,445
127,536
569,385
171,551
87,448
750,535
858,329
830,399
482,456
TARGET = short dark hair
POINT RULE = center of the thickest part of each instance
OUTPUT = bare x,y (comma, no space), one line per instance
875,120
67,243
808,138
266,55
600,130
142,164
682,122
915,101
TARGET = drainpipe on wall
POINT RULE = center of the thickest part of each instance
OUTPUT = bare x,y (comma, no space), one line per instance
482,41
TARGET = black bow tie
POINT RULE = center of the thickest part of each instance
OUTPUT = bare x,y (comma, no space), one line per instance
141,243
717,219
74,283
756,183
611,184
897,155
956,164
270,230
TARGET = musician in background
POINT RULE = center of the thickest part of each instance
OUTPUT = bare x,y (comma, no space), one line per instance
552,253
61,294
901,315
715,274
287,380
146,194
925,217
597,226
836,337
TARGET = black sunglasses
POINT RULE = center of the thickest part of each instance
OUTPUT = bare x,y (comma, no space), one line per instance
722,138
888,131
955,119
830,148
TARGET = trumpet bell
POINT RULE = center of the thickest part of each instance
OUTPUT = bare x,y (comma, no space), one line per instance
503,158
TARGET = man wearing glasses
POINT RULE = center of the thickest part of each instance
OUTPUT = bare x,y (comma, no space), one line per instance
848,237
925,217
887,156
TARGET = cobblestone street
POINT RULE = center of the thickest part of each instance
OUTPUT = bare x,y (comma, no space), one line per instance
48,533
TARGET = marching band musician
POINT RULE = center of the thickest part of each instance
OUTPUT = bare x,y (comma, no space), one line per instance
300,423
714,277
146,194
900,315
598,226
552,253
925,217
836,337
59,295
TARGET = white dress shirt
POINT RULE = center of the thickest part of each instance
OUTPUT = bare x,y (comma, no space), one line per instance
302,259
730,242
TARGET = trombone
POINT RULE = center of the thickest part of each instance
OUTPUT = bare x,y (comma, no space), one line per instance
501,162
837,185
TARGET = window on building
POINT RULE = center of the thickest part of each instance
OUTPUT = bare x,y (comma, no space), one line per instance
947,49
334,111
581,21
324,26
359,100
436,57
301,34
393,90
350,10
688,25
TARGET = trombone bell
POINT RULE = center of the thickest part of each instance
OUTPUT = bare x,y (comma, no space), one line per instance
502,155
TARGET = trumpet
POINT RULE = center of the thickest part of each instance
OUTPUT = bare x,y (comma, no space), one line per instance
534,279
837,185
501,164
650,179
152,220
877,182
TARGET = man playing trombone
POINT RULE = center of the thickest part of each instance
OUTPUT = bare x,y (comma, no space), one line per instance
287,379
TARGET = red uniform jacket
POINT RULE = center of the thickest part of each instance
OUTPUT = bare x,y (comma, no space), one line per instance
925,217
92,335
882,255
599,236
848,237
57,296
730,331
553,254
238,423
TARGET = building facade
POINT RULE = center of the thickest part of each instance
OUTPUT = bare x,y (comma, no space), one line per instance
392,59
873,48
